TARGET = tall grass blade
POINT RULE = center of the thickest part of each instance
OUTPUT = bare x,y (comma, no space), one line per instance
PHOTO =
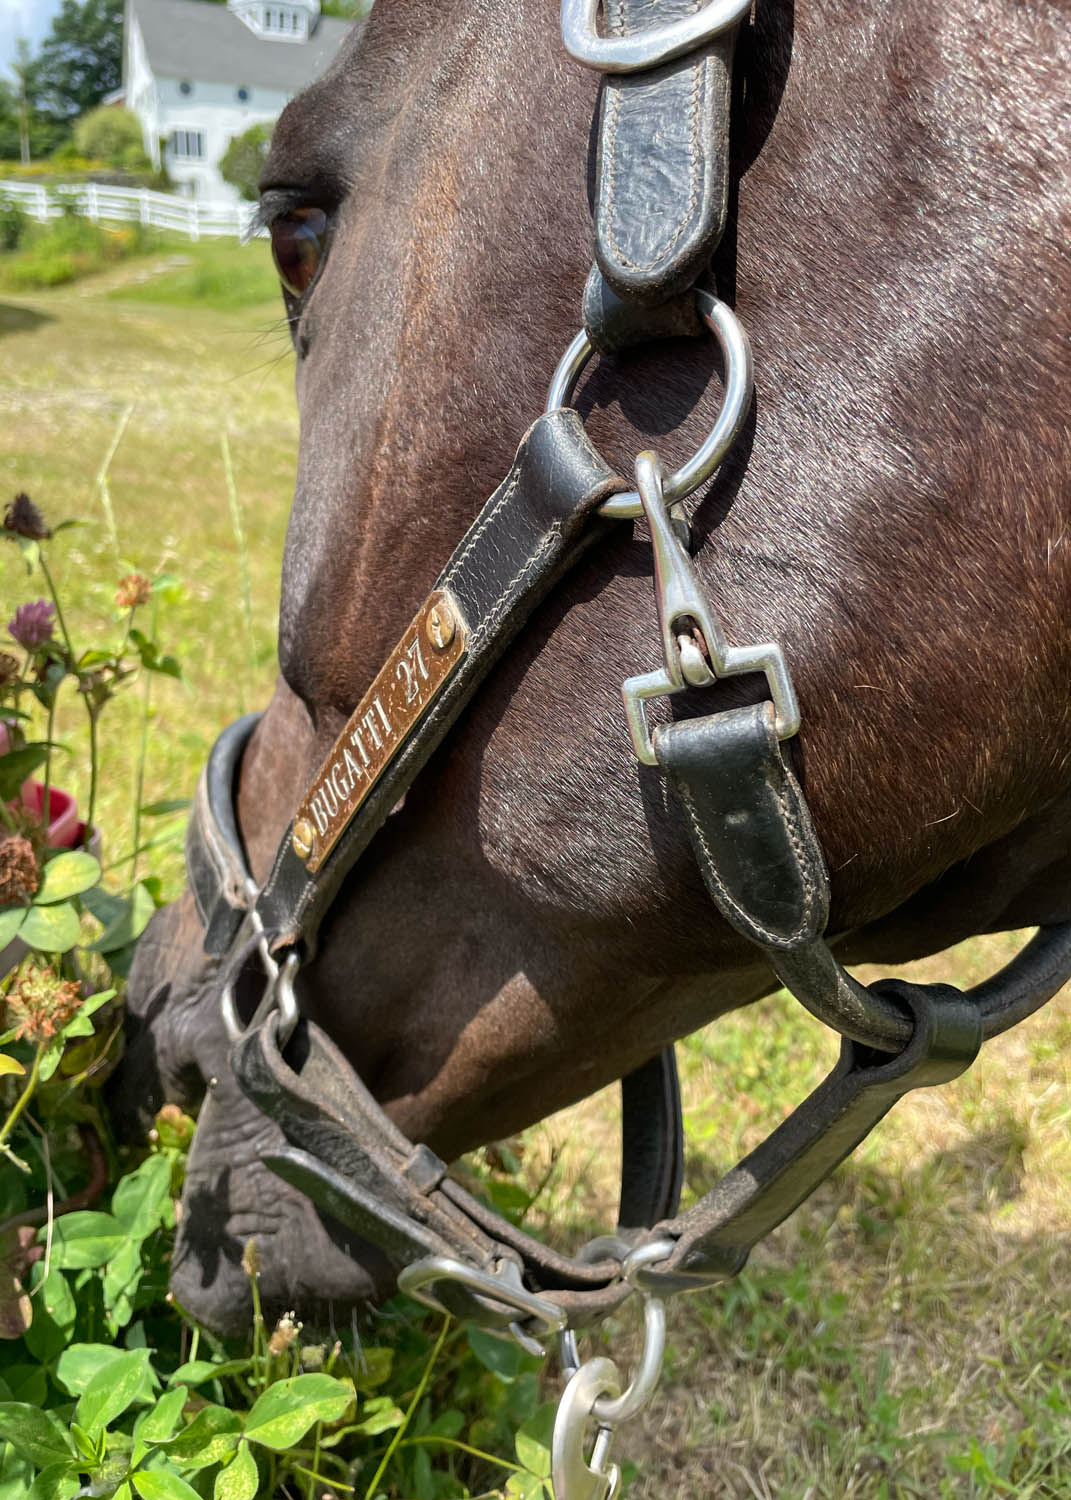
243,558
100,484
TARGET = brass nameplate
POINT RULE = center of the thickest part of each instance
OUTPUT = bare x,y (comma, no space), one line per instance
420,665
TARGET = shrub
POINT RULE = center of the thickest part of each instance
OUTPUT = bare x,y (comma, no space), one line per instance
70,247
112,136
13,224
243,161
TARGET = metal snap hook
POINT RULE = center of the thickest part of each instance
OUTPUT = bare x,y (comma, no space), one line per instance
736,352
680,597
608,1411
593,1394
574,1476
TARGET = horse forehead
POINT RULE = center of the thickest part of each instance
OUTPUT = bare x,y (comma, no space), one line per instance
398,67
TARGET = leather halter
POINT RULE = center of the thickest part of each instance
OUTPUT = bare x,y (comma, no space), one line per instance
662,176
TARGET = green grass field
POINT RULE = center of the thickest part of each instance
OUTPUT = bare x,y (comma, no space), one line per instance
118,394
907,1332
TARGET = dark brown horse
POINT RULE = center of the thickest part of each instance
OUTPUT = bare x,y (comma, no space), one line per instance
530,924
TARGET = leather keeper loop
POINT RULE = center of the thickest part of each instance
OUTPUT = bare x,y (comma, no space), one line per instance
663,162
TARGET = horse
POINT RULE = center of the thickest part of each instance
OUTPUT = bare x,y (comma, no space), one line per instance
529,924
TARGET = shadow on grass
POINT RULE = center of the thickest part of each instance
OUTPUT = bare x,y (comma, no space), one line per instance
21,319
899,1336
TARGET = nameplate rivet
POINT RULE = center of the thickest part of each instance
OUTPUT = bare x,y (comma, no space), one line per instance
441,625
303,838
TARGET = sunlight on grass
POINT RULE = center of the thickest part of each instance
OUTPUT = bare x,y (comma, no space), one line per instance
903,1334
191,376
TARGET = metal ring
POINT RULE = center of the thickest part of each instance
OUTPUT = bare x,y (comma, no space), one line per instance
646,1255
285,999
279,995
736,352
643,49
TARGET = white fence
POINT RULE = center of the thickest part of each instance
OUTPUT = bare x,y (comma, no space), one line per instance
189,216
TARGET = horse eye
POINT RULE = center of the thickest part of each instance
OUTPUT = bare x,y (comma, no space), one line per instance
298,241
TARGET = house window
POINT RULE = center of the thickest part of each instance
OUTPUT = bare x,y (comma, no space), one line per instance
283,20
188,145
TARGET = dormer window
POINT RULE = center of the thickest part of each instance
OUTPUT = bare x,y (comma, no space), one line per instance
281,20
284,20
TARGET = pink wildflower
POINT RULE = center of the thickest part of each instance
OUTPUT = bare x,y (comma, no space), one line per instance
32,625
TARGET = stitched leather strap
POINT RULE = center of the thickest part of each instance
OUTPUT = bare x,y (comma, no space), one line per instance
347,1155
613,324
715,1237
533,528
749,825
762,864
663,161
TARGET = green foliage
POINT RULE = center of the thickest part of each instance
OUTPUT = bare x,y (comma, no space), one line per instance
19,111
105,1389
113,136
14,223
243,161
80,60
68,248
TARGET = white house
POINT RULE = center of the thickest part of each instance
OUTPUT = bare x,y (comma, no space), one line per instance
197,74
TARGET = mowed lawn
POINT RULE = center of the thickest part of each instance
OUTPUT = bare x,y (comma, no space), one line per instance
908,1332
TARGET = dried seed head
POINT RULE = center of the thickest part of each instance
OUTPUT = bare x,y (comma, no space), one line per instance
24,519
19,877
284,1334
42,1004
251,1259
133,590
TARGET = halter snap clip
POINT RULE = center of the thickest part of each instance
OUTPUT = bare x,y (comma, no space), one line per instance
694,647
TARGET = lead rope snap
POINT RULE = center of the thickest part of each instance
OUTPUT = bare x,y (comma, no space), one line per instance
593,1394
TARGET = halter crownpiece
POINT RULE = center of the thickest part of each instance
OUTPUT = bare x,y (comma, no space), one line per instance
660,208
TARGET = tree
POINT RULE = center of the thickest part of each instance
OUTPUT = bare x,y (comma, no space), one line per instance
23,75
81,59
243,161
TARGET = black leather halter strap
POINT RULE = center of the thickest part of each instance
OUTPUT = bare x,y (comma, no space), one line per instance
661,196
662,175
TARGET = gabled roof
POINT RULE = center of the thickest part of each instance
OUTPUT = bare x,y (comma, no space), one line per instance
207,44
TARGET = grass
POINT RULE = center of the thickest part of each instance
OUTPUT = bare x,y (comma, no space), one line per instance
182,379
220,276
905,1334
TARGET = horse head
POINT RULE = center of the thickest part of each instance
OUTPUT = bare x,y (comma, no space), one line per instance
529,923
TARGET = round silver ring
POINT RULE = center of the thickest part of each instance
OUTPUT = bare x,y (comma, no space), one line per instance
739,379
